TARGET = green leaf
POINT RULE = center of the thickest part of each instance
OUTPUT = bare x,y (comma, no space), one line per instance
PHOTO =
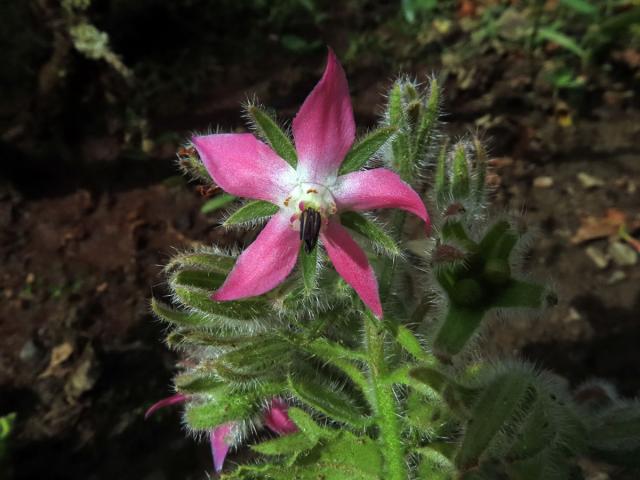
368,229
502,403
260,355
326,400
308,426
615,434
251,211
309,267
563,41
217,203
203,279
271,131
241,314
346,456
180,318
366,148
340,358
410,343
580,6
213,261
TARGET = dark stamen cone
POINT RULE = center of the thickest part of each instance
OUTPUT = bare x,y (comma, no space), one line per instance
310,222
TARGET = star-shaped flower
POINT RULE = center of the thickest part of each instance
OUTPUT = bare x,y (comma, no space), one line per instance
309,197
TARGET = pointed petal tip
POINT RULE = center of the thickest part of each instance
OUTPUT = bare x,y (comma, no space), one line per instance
324,127
219,445
165,402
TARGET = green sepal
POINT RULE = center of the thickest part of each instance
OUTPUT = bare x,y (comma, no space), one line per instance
457,328
269,129
290,444
325,399
368,229
442,187
309,268
480,168
227,407
394,105
409,342
499,241
195,383
366,148
217,203
250,211
519,294
500,406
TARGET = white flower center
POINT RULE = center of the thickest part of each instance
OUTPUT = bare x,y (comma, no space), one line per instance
309,196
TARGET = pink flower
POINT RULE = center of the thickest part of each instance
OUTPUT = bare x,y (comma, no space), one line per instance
221,437
309,197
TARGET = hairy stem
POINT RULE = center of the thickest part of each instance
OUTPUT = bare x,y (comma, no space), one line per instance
384,401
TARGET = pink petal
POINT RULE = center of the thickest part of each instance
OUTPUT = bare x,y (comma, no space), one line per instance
220,445
265,263
324,128
352,265
244,166
277,419
165,402
378,188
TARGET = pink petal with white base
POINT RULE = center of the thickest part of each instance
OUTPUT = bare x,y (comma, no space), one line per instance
378,188
352,264
244,166
220,445
165,402
265,263
324,128
277,418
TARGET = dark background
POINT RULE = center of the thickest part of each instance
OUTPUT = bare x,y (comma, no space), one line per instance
92,204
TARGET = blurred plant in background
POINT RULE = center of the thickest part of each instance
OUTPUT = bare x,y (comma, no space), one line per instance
413,394
6,427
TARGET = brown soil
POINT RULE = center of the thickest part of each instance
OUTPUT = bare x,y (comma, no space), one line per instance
82,247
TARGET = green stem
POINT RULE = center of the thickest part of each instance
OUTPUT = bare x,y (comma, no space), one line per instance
385,403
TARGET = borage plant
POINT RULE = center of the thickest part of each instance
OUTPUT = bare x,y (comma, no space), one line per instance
327,372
